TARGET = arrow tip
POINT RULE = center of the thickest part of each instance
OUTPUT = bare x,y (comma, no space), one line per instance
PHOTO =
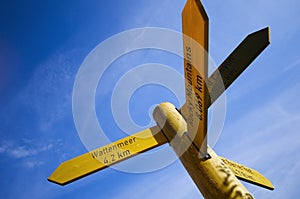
263,35
267,30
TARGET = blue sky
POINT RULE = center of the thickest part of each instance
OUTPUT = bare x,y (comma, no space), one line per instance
42,45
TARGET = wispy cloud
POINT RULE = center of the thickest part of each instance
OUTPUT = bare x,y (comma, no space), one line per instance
292,65
48,93
27,153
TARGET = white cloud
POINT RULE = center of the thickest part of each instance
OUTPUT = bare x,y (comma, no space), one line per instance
21,152
291,66
32,163
47,96
27,154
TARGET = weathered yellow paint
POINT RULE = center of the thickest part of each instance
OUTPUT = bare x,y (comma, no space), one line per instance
212,177
195,48
247,174
105,156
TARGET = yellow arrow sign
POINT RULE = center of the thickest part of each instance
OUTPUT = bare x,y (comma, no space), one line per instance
105,156
247,174
195,46
237,62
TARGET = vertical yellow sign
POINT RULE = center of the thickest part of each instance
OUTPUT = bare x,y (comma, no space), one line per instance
195,48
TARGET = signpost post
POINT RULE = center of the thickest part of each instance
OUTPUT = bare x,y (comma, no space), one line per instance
211,175
216,177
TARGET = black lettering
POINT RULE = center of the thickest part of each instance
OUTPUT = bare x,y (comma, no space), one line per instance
123,154
120,145
120,155
188,49
126,153
95,154
199,85
112,157
105,151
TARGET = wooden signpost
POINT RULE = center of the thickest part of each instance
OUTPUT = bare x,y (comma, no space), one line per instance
215,176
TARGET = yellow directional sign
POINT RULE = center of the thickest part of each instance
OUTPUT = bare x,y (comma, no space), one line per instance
105,156
247,174
237,62
195,46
